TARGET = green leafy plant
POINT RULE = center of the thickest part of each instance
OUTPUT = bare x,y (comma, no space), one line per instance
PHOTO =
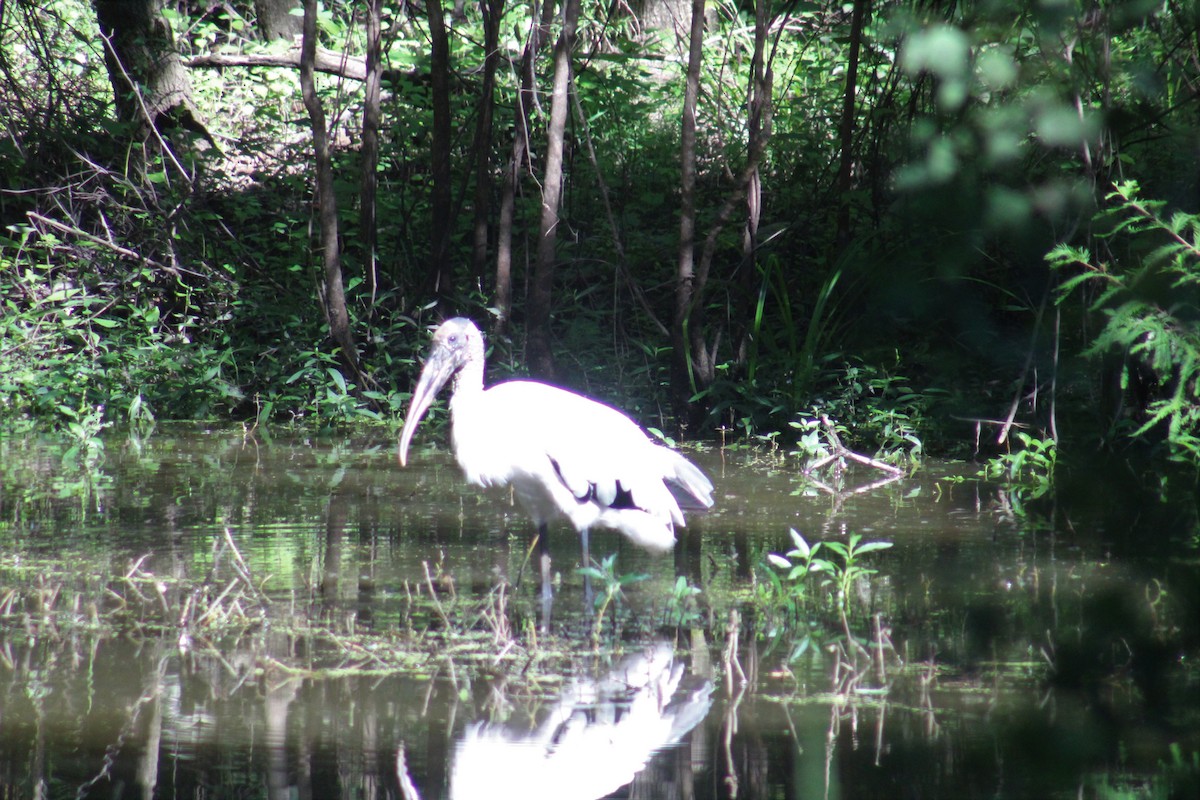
1148,290
1029,467
851,570
604,572
681,604
806,569
814,442
85,425
801,561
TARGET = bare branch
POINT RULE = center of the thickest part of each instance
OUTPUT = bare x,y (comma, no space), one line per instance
330,62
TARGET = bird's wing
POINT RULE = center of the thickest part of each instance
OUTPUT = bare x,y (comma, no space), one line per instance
691,487
597,452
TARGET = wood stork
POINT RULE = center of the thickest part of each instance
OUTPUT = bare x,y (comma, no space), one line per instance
563,454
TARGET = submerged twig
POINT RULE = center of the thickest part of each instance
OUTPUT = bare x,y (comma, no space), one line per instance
437,604
729,657
243,570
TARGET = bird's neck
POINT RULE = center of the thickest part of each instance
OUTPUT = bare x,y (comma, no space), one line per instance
468,381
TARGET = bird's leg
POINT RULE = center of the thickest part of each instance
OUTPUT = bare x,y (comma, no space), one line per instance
544,557
544,553
587,579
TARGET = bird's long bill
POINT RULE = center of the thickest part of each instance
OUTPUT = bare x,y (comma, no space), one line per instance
438,370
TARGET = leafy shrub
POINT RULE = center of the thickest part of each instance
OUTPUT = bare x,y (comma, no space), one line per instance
1146,285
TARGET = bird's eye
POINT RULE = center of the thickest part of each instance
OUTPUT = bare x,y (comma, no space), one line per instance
452,338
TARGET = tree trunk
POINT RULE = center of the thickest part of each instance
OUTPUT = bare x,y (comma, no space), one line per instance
370,151
493,10
504,226
538,351
846,128
758,103
275,19
441,272
539,22
150,84
758,98
682,386
334,292
622,263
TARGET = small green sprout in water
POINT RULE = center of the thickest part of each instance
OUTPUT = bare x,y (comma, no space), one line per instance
1029,467
681,605
851,571
610,584
804,561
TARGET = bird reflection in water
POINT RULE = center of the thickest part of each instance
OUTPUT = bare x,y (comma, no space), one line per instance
595,739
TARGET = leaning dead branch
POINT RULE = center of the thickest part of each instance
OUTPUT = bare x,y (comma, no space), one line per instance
329,62
114,247
839,451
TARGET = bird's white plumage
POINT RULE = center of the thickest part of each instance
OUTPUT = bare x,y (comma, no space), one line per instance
562,453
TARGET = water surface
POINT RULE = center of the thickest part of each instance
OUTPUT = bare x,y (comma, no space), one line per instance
206,613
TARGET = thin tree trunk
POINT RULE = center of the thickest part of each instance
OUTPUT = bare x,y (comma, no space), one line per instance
493,10
758,104
504,229
441,271
702,354
757,96
846,128
622,262
370,151
538,351
682,386
334,294
539,21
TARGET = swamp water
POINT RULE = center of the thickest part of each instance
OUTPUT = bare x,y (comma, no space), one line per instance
201,614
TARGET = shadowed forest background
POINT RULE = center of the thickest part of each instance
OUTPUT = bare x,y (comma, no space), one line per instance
952,228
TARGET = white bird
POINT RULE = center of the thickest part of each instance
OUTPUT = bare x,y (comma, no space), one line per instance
563,454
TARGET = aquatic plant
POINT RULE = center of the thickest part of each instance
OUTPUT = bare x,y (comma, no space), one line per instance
84,424
681,604
805,566
852,570
1028,469
604,572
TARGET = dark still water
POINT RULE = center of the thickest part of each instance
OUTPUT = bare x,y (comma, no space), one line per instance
205,614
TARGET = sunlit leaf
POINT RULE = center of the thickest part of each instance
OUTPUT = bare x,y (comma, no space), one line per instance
779,561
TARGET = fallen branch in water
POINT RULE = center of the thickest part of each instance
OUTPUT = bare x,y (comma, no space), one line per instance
840,451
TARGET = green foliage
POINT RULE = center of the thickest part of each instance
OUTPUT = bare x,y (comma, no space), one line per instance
604,572
975,132
811,580
1148,291
1029,468
158,295
681,603
868,407
85,426
73,341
